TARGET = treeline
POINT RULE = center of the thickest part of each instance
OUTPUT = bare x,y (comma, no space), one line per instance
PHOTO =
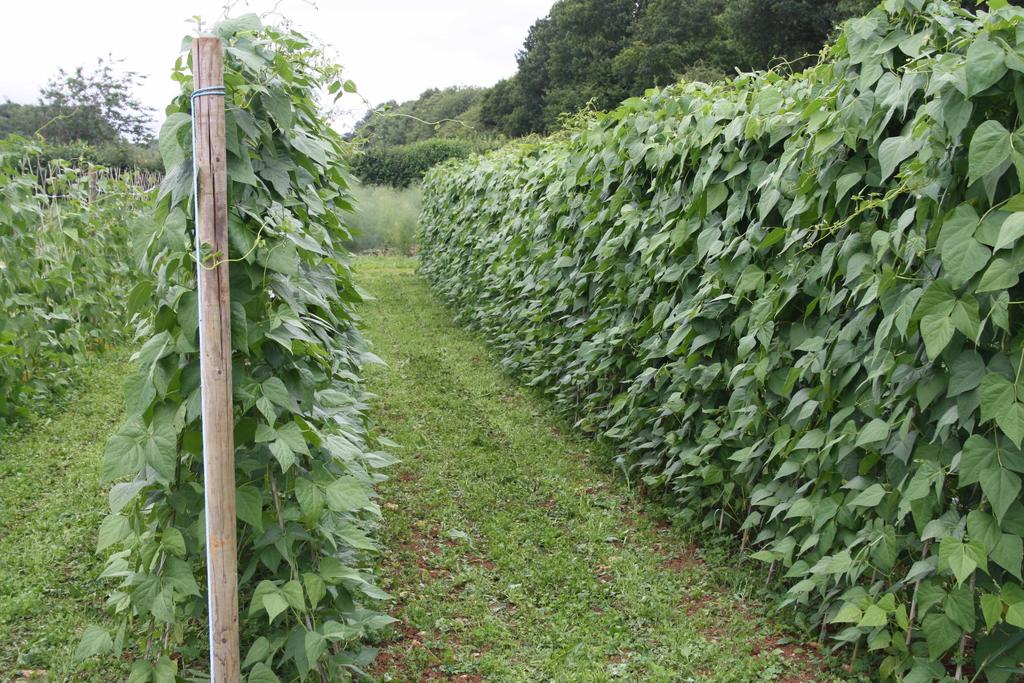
595,54
438,112
87,115
598,53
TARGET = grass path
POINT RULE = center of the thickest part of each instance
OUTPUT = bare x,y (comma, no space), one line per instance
513,555
51,504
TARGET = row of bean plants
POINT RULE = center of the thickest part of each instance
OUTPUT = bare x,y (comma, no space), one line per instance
792,304
305,462
65,271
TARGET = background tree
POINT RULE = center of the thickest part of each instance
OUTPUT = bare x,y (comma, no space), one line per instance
672,39
437,112
96,106
566,62
602,51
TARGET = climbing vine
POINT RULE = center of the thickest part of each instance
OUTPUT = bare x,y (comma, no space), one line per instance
792,304
305,463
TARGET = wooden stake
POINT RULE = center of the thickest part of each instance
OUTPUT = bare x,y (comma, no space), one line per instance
93,184
215,361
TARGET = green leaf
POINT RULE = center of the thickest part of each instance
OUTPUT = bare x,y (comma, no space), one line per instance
347,494
873,432
814,438
356,538
95,641
1003,273
172,151
990,148
869,497
966,317
282,257
1011,421
161,447
1015,615
292,435
113,529
165,671
292,592
1009,554
280,108
848,614
314,645
178,575
997,394
173,541
873,617
240,170
963,255
123,493
959,607
941,634
985,66
315,588
937,331
274,604
124,454
893,151
963,558
1011,231
249,506
229,27
965,372
277,392
991,610
284,454
938,300
162,608
258,651
999,403
983,528
311,500
261,673
978,455
1002,487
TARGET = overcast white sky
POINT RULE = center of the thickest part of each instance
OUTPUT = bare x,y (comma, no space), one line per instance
392,49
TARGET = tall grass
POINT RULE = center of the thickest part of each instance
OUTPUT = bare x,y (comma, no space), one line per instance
385,219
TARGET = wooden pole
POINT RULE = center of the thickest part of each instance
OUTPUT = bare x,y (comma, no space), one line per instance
93,184
215,360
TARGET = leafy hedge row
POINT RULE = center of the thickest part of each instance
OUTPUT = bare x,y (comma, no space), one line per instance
403,165
65,274
305,462
793,305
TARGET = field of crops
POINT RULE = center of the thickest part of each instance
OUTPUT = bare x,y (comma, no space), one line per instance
791,307
721,385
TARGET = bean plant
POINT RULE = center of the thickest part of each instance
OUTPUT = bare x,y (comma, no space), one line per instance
66,271
792,305
305,462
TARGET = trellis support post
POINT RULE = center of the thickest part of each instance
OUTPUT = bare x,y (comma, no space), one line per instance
210,166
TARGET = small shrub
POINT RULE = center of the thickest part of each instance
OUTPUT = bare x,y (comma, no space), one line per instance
403,165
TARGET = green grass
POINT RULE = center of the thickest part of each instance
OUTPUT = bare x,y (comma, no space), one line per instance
514,554
385,219
51,504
